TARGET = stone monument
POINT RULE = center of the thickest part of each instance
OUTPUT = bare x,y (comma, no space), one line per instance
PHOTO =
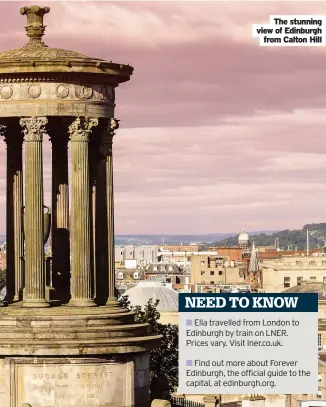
64,339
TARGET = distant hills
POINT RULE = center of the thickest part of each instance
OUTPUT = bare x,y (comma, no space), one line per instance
287,239
178,239
169,239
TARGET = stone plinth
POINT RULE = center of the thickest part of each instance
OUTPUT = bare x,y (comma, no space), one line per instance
67,357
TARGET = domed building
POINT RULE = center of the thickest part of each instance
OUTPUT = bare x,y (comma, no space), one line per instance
156,290
243,240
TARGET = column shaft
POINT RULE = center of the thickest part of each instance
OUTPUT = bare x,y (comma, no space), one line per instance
18,221
81,277
93,162
14,206
34,293
101,225
60,213
10,237
112,298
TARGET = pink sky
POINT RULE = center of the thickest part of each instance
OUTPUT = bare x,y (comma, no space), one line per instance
217,134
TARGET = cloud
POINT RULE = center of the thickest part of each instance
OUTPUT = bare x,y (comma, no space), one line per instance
237,170
216,133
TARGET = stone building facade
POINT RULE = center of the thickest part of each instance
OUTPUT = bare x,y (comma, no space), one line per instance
210,269
285,272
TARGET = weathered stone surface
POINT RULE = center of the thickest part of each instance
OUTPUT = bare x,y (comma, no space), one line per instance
73,331
57,384
56,91
82,293
33,129
72,382
2,383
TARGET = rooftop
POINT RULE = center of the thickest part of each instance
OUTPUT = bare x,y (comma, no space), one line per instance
309,287
146,290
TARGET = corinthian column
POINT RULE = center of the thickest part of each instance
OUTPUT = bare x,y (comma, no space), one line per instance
14,277
101,219
18,217
112,300
34,294
81,267
60,211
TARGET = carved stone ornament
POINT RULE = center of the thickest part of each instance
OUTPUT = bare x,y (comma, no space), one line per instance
104,93
84,92
114,125
6,91
34,91
35,27
33,128
81,128
62,91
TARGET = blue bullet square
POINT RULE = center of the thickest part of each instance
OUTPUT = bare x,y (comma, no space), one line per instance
189,363
189,322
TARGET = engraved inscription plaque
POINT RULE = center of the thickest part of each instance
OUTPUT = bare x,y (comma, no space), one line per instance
71,385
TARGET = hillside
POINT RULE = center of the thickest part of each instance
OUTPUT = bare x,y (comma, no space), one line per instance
174,239
287,238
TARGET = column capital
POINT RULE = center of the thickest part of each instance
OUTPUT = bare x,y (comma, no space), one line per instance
106,140
81,128
113,126
33,128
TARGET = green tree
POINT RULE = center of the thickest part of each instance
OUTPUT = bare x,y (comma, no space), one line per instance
164,359
2,279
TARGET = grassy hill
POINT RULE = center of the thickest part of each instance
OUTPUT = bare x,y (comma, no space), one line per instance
293,238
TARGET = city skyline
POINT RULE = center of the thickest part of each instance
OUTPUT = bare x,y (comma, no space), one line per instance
217,134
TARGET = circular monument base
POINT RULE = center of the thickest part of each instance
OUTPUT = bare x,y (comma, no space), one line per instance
67,357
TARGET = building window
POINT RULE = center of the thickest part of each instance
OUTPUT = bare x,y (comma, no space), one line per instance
319,377
319,393
286,282
155,268
298,263
312,263
202,272
320,343
212,283
202,262
136,275
220,272
323,263
313,278
299,279
162,268
120,276
212,273
121,253
324,280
